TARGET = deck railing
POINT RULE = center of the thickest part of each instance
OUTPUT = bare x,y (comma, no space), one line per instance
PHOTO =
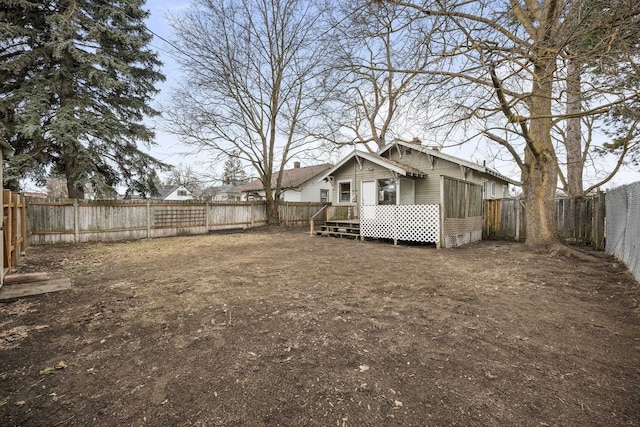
319,218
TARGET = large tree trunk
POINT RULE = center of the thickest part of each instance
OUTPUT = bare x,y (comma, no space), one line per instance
273,216
540,171
573,139
72,188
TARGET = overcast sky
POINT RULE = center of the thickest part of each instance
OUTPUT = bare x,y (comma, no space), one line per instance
171,150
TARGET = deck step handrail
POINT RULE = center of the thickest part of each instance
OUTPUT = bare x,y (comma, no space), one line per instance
321,210
312,220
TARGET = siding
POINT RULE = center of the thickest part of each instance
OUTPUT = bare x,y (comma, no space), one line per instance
429,191
311,191
351,171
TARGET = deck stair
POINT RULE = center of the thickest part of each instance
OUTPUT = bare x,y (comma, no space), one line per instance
340,228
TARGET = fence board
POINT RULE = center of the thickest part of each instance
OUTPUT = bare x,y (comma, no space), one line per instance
580,220
53,221
15,229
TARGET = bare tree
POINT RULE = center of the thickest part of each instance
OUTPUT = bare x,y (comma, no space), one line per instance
587,60
502,58
372,101
184,175
56,186
252,71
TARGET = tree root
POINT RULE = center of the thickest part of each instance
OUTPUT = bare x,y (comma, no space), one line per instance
564,251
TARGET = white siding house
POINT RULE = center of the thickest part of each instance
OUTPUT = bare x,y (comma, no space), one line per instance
299,184
174,192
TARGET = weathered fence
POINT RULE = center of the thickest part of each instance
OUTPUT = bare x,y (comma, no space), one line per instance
580,220
623,225
51,221
15,229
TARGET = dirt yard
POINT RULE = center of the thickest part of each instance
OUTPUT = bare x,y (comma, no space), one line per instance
276,327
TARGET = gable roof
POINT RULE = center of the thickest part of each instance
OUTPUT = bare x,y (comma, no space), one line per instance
448,157
393,165
291,178
165,191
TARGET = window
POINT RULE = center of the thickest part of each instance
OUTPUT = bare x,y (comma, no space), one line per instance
344,192
493,189
324,196
386,191
484,189
182,193
505,191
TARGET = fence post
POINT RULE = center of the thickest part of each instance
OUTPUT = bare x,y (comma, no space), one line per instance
518,216
23,223
206,215
598,219
148,219
76,221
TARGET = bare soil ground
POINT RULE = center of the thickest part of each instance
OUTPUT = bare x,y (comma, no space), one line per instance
276,327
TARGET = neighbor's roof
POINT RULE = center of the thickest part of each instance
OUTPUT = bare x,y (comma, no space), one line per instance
291,178
166,190
393,165
453,159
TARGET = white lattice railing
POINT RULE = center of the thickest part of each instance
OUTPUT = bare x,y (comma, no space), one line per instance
416,223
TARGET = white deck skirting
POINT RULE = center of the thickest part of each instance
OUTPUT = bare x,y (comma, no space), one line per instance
416,223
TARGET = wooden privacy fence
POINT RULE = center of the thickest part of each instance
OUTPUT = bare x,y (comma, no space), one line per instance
580,220
51,221
15,229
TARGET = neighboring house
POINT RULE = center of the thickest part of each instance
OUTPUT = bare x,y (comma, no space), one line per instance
299,184
409,174
230,192
35,194
173,192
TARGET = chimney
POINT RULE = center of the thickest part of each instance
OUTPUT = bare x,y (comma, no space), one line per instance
296,165
416,140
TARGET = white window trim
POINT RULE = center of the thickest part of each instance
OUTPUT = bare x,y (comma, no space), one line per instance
492,185
485,188
350,192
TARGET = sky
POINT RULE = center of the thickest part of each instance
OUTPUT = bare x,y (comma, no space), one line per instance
170,149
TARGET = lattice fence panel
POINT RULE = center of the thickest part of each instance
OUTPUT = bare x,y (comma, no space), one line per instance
415,223
462,231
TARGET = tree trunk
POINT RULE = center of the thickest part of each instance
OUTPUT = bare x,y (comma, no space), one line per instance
273,216
72,189
540,171
573,139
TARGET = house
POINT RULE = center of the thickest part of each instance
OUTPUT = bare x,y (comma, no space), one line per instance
299,184
228,192
408,191
173,192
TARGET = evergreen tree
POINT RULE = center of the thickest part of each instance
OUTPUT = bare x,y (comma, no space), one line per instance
76,79
233,169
